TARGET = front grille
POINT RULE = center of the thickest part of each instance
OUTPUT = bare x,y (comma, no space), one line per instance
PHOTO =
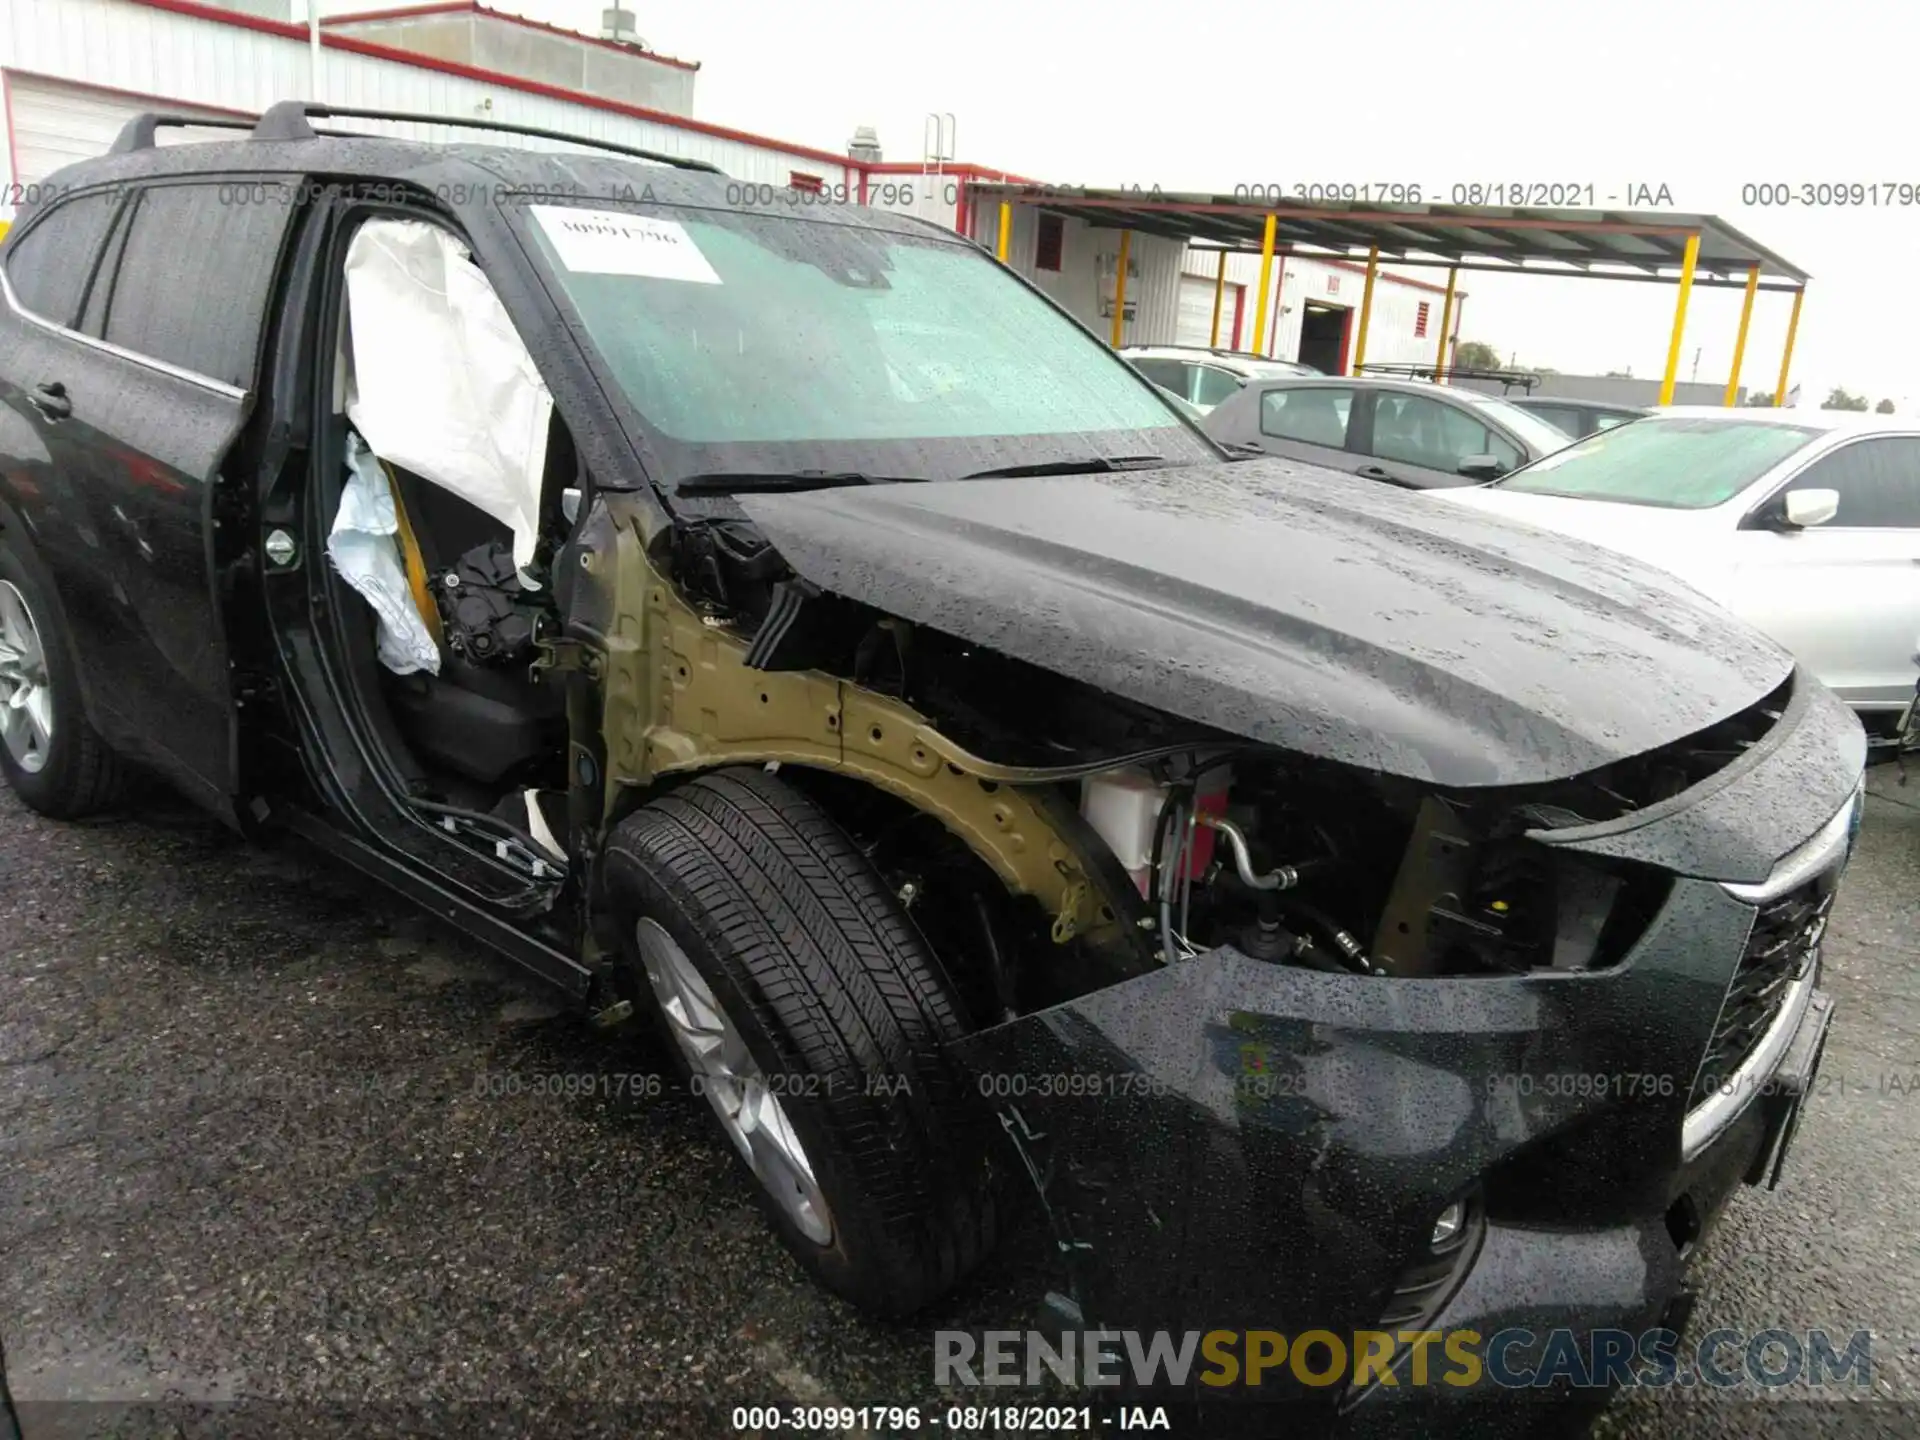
1785,933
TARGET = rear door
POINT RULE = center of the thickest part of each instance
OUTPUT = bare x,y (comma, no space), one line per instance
1844,596
50,261
159,382
1315,423
1418,441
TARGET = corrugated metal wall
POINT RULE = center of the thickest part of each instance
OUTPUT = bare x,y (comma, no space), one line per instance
1082,285
930,195
573,63
1391,331
157,53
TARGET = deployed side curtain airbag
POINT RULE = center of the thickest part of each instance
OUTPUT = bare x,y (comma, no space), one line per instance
364,551
442,384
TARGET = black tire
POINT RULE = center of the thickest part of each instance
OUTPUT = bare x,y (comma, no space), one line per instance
837,995
79,775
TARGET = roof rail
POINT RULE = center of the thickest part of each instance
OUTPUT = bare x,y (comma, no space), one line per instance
1526,379
288,120
137,133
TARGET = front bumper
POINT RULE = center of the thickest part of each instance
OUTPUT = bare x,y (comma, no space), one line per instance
1230,1145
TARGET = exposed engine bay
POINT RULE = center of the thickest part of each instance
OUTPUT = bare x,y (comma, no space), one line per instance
1205,839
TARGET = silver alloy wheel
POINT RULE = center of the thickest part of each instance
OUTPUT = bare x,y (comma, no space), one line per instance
26,696
734,1084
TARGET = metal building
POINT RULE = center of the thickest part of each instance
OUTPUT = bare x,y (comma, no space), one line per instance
73,71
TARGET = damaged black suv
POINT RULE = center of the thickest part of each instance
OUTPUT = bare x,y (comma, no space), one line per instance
783,624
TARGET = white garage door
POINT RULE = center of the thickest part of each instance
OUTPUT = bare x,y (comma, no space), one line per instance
1195,325
55,124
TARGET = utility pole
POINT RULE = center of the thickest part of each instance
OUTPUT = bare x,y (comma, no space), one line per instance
313,50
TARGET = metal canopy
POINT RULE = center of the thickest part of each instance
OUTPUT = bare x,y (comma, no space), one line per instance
1598,244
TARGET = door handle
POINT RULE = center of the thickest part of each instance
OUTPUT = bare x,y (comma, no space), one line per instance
50,399
1373,472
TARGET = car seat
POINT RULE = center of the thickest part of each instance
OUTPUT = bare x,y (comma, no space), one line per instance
481,722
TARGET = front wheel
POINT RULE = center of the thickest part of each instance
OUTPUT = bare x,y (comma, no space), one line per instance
810,1013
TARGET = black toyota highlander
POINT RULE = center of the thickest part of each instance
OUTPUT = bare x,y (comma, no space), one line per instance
775,623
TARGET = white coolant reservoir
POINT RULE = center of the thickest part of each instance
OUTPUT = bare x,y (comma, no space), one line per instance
1123,806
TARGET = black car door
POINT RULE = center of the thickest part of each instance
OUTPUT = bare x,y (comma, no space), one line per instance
49,261
156,384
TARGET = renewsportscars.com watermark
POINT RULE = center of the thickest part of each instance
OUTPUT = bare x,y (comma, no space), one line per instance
1508,1359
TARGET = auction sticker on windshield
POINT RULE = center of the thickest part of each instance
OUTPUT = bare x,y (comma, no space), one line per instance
609,242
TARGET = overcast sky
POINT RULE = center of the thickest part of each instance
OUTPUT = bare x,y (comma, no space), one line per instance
1702,97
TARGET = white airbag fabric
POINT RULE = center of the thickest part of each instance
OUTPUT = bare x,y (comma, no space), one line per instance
364,550
442,384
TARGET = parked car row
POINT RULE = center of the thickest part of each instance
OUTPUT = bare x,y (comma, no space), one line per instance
1806,524
1411,433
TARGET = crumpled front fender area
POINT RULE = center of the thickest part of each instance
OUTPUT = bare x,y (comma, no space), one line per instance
1230,1144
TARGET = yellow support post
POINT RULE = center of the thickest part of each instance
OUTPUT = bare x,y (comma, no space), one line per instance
1687,263
1446,327
1266,280
5,225
1120,288
1740,336
1366,308
1786,358
1219,294
1006,229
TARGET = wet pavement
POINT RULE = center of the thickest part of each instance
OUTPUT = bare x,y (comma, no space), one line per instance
266,1134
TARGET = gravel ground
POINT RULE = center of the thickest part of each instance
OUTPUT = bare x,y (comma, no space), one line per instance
264,1133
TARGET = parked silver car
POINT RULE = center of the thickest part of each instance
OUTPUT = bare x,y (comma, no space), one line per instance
1407,432
1201,377
1805,522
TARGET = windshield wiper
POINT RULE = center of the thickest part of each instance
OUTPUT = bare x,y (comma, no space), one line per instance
746,482
1086,465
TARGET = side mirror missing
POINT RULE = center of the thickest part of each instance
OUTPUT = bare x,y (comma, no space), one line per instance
1482,467
1810,507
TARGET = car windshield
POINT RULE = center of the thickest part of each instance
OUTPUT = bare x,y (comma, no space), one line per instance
1542,437
1676,462
761,342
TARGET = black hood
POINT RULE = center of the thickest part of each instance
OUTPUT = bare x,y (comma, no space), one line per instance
1328,615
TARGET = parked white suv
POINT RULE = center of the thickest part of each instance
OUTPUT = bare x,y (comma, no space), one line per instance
1806,523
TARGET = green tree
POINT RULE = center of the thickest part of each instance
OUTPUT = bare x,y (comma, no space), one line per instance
1885,407
1838,399
1759,397
1475,355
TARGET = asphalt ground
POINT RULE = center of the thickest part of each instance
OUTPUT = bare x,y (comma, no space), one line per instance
268,1136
